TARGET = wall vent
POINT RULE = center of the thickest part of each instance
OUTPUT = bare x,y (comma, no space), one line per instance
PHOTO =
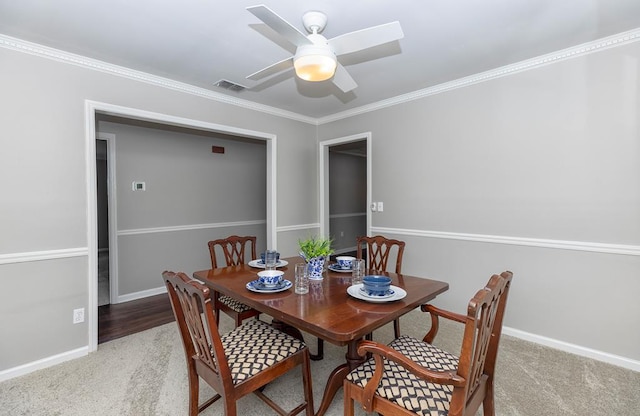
231,86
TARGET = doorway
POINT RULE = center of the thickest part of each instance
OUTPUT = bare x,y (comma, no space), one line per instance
92,110
345,189
102,190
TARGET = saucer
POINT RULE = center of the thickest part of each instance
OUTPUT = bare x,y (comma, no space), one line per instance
384,295
256,286
355,292
336,268
259,264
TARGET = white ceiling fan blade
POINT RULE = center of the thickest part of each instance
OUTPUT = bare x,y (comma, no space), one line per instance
272,69
343,80
366,38
277,23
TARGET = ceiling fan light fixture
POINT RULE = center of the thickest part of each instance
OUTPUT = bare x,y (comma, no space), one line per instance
314,63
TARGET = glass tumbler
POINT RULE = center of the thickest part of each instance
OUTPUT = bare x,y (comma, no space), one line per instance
270,259
301,279
357,272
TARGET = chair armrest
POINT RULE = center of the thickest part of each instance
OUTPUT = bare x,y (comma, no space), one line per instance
380,351
435,323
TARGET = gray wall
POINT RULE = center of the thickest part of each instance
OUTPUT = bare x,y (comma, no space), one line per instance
537,172
43,215
192,196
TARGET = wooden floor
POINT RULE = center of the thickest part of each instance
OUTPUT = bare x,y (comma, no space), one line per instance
119,320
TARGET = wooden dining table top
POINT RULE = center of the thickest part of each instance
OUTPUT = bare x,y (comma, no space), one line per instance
327,311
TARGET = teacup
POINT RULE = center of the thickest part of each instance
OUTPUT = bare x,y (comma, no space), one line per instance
345,262
270,278
375,285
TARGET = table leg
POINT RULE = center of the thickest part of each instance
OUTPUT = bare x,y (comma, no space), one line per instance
320,355
287,329
338,375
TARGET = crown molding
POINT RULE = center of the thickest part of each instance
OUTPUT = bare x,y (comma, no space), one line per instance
20,45
558,56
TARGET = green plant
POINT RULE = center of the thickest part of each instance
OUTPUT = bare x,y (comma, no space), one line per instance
315,247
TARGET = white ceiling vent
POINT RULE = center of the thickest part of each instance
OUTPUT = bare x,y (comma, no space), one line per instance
228,85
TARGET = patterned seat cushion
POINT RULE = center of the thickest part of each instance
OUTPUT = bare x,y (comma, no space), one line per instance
405,389
256,345
233,304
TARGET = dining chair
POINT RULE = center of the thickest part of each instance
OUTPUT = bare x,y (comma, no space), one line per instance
378,252
235,364
410,376
235,250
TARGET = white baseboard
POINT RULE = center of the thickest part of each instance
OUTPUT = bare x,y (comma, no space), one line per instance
574,349
141,294
43,363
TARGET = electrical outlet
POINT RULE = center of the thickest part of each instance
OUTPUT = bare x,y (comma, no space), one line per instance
78,315
380,207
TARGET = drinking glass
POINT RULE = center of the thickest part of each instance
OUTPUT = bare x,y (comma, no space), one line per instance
302,279
357,272
270,259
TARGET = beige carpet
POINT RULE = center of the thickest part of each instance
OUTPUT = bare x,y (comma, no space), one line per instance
144,374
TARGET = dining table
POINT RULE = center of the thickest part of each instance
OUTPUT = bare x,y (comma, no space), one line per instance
332,310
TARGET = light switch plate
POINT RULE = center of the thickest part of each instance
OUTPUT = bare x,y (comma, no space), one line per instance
138,186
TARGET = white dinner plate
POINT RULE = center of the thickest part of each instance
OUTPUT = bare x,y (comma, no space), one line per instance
256,286
354,290
258,264
336,268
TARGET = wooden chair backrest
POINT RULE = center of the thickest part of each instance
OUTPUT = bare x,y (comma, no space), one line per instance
378,250
480,341
203,349
234,249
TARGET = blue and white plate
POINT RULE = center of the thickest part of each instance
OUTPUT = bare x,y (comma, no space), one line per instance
354,290
256,286
336,268
259,264
384,295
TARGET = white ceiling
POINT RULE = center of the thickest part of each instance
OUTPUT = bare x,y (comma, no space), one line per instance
200,42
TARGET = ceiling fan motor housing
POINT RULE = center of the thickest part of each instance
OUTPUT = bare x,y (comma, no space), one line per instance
314,21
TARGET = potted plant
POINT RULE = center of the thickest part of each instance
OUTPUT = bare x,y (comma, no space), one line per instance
315,251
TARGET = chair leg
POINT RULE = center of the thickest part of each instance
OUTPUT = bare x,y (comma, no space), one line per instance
216,311
306,380
194,388
488,405
396,328
348,401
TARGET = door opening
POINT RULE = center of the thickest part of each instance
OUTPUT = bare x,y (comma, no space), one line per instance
345,174
102,202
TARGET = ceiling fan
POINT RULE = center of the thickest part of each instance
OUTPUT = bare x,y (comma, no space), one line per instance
316,57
